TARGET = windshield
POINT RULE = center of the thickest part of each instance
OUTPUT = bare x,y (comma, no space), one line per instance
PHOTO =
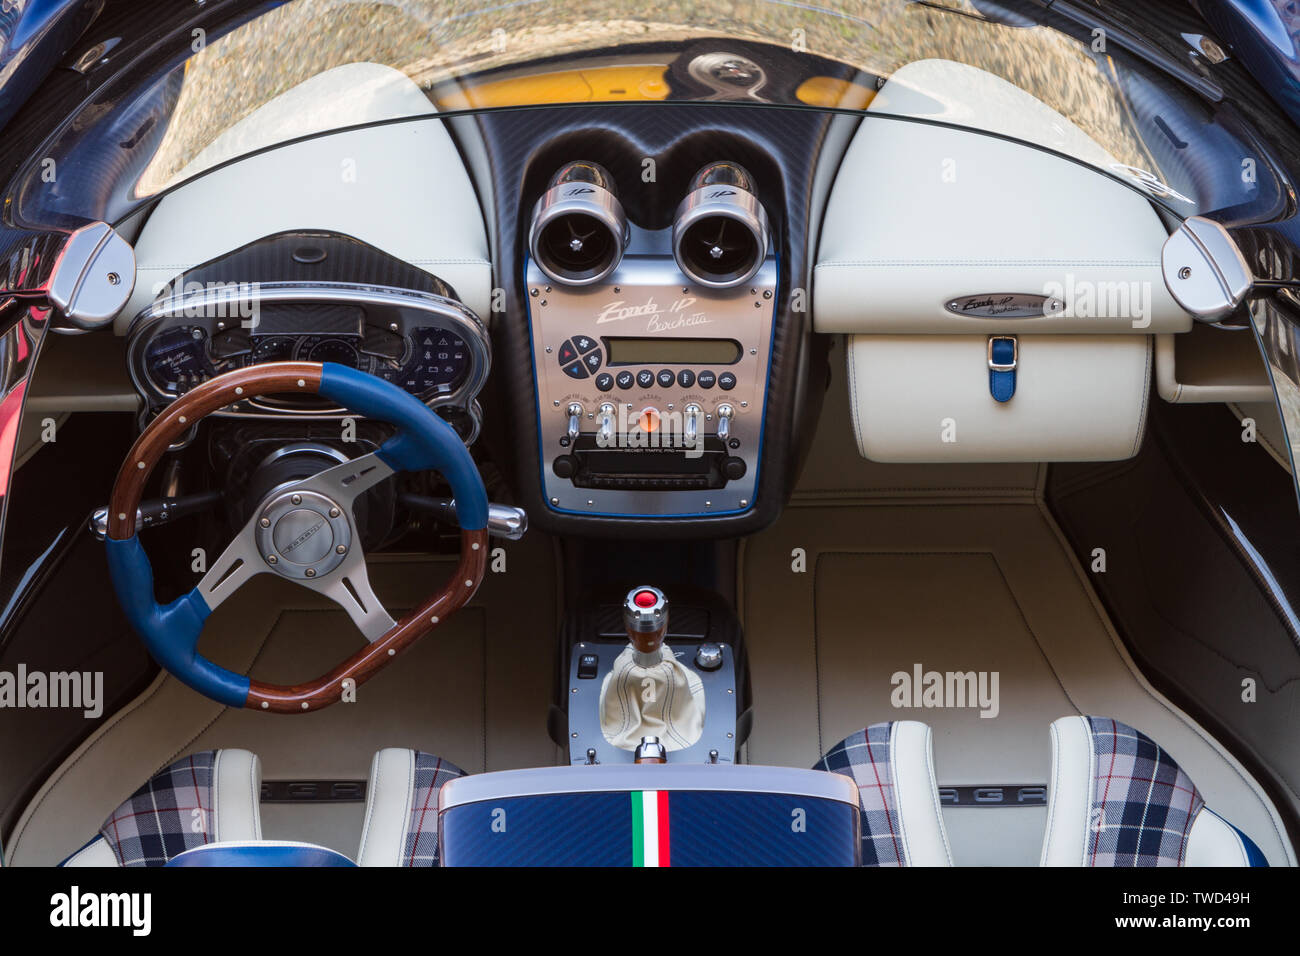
312,66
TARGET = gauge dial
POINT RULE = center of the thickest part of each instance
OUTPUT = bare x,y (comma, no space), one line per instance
273,348
338,351
176,361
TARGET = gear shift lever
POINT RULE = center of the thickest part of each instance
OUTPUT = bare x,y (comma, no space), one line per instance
645,616
650,702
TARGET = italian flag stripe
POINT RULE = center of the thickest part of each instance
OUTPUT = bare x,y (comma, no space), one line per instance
650,838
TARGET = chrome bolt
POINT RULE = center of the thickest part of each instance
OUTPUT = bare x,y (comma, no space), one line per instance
272,559
334,512
1185,272
265,522
296,499
311,572
341,549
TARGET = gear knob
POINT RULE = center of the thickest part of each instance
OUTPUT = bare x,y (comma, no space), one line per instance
645,616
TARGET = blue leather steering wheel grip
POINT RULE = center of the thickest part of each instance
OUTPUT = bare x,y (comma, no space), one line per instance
424,441
171,632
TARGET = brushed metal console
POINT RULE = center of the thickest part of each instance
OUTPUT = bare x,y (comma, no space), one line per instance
675,435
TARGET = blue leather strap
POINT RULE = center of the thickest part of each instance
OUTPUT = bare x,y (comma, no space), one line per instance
170,631
423,440
1003,353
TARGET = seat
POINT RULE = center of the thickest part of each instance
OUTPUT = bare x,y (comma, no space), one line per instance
891,763
893,766
204,798
1116,798
401,822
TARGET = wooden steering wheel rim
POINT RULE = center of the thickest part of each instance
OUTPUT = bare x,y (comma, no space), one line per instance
281,377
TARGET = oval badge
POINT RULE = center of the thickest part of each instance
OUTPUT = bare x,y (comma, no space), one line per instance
1005,305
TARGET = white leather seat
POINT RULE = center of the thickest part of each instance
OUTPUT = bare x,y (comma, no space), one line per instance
208,797
401,825
1116,798
893,766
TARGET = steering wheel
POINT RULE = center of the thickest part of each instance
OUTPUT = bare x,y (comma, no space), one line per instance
303,531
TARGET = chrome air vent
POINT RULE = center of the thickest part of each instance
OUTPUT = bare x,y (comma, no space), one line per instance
720,230
578,231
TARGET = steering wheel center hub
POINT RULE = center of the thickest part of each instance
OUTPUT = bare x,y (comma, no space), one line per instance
303,534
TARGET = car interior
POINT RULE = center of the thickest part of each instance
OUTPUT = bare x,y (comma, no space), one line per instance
898,452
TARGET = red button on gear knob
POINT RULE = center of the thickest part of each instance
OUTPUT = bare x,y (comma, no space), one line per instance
645,599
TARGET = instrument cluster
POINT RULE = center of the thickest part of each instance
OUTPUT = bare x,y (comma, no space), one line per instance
431,346
429,361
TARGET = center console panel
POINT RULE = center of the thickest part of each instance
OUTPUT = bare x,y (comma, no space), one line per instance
650,392
638,316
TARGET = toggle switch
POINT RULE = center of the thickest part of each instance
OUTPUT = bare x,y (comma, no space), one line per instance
725,414
575,420
605,425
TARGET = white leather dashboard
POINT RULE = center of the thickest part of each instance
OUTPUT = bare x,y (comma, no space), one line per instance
923,218
400,186
920,215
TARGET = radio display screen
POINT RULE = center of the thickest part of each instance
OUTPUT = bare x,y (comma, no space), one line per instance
663,351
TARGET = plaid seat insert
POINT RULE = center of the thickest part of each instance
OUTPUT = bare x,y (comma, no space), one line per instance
171,813
865,756
1143,805
431,772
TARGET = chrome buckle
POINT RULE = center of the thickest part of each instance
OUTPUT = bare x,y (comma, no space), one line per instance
1015,353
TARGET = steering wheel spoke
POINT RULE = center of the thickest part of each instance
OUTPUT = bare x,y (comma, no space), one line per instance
229,572
348,586
347,482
